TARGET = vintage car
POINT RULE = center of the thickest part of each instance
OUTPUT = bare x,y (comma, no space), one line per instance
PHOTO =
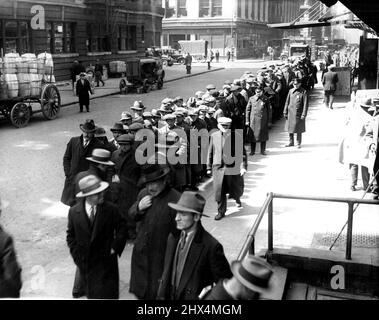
142,75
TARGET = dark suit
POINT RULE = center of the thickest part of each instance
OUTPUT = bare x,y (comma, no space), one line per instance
90,248
10,271
235,110
329,81
82,91
74,161
205,264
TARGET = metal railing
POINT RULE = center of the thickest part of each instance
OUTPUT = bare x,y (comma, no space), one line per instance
249,244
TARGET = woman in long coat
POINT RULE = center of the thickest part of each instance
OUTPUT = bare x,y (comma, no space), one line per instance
257,118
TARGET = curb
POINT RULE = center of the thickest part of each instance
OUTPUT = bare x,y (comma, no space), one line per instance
171,80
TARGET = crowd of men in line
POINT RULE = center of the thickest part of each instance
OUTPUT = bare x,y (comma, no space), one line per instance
113,197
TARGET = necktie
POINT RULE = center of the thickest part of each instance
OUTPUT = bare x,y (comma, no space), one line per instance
92,215
183,237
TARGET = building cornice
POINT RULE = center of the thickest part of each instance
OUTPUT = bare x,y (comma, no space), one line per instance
54,3
170,24
153,14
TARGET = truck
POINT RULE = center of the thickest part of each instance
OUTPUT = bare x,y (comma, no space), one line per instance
197,48
296,50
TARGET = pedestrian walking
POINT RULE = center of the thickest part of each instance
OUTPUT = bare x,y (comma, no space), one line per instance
74,159
227,177
217,56
228,55
10,270
99,73
188,62
128,172
257,119
75,70
195,259
329,81
252,278
295,112
155,221
83,91
96,235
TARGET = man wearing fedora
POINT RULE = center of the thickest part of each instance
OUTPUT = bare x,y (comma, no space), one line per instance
295,112
234,108
74,159
194,259
155,221
329,81
138,109
83,90
129,173
117,130
251,279
96,235
227,177
126,119
10,270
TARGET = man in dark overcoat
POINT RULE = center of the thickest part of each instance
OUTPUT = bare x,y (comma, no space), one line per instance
235,107
74,159
257,118
155,221
10,270
96,235
129,173
83,90
329,81
227,174
194,260
295,112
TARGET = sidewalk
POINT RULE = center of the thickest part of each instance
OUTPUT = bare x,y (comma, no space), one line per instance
111,87
313,170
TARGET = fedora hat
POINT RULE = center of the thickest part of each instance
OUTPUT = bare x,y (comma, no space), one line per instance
138,106
126,116
154,172
127,138
100,132
210,87
254,273
118,127
135,126
90,185
147,114
88,126
190,202
82,74
101,156
235,87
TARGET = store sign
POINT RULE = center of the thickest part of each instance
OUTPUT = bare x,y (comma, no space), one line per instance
38,20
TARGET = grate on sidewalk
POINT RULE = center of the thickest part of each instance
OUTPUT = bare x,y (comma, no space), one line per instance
360,240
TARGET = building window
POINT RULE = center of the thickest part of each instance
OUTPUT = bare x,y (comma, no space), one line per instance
182,8
143,34
239,13
14,36
60,37
217,8
170,8
97,39
247,9
204,8
121,37
132,38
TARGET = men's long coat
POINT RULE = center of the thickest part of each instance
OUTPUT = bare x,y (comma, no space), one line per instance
74,161
205,265
10,270
82,91
235,111
90,248
129,172
257,115
329,81
153,228
235,182
295,110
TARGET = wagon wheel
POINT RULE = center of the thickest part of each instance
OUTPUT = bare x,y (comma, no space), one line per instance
123,87
20,115
50,101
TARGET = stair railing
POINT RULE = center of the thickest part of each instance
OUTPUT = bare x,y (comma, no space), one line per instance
249,244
